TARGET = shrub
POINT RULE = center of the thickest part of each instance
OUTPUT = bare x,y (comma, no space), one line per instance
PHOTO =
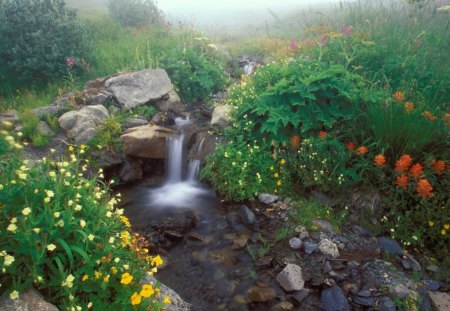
41,39
134,12
30,122
64,236
108,136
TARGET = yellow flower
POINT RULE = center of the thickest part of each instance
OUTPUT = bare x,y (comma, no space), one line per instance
126,278
135,299
12,228
430,223
157,261
70,148
271,168
52,174
114,270
37,230
90,237
84,278
443,232
57,214
283,161
78,208
49,193
51,247
1,187
8,260
147,291
46,200
82,147
106,279
447,226
167,300
97,274
26,211
14,295
276,175
82,223
279,183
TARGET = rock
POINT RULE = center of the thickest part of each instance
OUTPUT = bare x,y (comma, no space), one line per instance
131,170
82,125
247,216
283,306
322,198
9,116
433,268
364,301
106,159
134,122
390,246
333,299
440,301
326,267
147,141
177,303
44,129
295,243
138,88
424,299
298,297
264,262
267,198
260,294
170,102
412,262
432,285
173,235
303,233
204,145
291,278
31,300
221,116
361,231
386,304
324,225
328,248
52,110
399,291
240,242
309,247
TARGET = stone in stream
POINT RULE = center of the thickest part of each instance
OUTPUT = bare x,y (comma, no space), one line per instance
328,248
295,243
440,301
134,122
291,278
333,299
432,285
390,246
267,198
247,216
260,294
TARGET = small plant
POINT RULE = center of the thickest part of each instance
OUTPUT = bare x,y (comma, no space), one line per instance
108,136
30,122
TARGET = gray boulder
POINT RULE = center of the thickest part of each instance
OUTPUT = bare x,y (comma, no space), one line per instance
131,170
221,116
44,129
390,246
30,300
267,198
82,125
138,88
147,141
440,301
291,278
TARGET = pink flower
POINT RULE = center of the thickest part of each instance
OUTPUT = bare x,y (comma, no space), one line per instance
346,30
323,40
70,61
294,45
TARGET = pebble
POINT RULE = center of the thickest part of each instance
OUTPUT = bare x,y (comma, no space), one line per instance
333,299
328,248
310,247
295,243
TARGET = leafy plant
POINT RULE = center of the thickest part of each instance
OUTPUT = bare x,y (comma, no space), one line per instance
134,12
30,122
108,135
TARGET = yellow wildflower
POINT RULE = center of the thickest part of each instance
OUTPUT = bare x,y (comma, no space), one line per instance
26,211
447,226
157,261
14,295
135,299
431,223
279,183
51,247
276,175
12,228
167,300
85,278
114,270
126,278
147,291
443,232
70,148
283,161
106,279
97,274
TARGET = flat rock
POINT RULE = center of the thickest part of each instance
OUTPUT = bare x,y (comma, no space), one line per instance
399,291
298,297
30,300
291,278
267,198
333,299
260,294
328,248
138,88
432,285
390,246
295,243
134,122
170,102
221,116
440,301
283,306
147,141
309,247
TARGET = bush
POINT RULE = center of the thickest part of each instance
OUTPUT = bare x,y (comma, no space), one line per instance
64,236
30,122
41,40
134,12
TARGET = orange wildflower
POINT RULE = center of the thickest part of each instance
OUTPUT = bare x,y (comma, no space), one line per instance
295,141
416,171
351,146
403,163
362,150
399,96
409,106
438,166
428,115
424,188
402,181
379,160
322,134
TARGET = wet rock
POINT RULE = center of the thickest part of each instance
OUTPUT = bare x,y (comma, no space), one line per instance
31,300
390,246
106,159
291,278
134,122
140,87
177,303
295,243
260,294
131,170
247,216
409,261
303,233
221,116
298,297
328,248
239,299
322,198
147,141
170,102
364,301
173,235
432,285
399,291
309,247
267,198
386,304
333,299
324,225
283,306
440,301
353,264
338,277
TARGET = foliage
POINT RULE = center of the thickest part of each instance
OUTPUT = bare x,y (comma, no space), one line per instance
41,39
30,122
108,135
64,236
134,12
297,97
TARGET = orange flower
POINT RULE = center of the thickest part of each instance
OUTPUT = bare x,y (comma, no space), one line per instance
409,106
447,119
438,166
362,150
399,96
351,146
416,171
295,141
402,181
428,115
379,160
403,163
424,188
322,134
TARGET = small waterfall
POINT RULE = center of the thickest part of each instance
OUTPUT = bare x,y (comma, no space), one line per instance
175,158
193,170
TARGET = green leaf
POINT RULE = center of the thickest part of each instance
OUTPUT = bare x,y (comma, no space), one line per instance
67,249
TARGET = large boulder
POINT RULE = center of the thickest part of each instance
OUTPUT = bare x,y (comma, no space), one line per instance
170,102
221,116
147,141
138,88
30,300
82,125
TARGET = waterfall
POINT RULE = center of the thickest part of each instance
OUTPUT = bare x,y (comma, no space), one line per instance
175,158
